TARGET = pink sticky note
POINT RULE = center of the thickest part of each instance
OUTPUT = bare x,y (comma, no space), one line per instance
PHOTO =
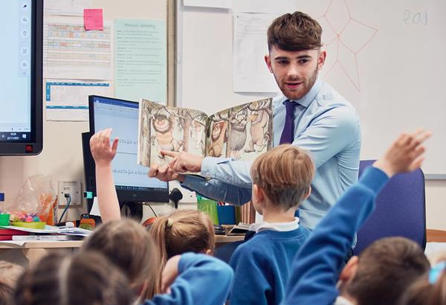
93,19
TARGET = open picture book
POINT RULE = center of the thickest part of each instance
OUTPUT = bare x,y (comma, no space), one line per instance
240,132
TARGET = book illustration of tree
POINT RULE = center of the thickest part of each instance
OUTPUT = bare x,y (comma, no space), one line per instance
198,132
218,135
144,136
193,124
238,120
260,117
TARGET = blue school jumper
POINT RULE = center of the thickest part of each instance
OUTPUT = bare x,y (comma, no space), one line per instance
316,267
262,266
202,280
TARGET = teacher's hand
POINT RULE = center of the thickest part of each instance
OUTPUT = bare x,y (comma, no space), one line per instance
164,173
183,162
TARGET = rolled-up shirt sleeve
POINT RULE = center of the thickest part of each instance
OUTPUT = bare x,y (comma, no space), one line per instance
217,190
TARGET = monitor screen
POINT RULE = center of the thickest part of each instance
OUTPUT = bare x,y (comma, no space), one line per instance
21,77
131,180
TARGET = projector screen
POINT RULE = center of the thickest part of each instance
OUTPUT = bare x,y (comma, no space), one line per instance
21,77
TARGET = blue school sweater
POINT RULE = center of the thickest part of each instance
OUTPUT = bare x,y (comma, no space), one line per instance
316,267
262,266
202,280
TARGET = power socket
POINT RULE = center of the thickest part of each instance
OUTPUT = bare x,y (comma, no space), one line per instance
72,188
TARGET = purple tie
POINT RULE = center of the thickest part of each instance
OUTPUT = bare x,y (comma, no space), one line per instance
288,128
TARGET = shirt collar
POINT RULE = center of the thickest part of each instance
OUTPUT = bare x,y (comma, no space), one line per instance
275,226
305,100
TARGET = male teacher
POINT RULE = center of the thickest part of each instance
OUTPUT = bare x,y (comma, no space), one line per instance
309,114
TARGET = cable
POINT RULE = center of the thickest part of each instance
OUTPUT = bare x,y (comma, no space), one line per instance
148,203
68,196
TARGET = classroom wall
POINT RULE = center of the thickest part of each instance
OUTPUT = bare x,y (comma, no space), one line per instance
61,157
206,84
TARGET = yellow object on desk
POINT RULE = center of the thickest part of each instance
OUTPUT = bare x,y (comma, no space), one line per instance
31,225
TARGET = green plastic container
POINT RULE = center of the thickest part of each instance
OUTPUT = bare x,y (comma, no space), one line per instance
4,219
209,207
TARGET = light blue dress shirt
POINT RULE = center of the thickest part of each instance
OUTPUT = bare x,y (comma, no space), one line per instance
326,126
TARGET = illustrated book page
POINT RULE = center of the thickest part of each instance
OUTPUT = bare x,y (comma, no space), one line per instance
241,132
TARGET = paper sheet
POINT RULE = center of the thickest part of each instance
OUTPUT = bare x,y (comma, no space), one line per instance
93,20
95,208
209,3
266,6
70,52
67,100
140,60
250,73
67,7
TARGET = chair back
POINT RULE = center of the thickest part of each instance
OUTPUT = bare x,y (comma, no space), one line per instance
400,210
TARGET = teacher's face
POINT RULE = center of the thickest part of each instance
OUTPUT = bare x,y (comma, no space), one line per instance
295,71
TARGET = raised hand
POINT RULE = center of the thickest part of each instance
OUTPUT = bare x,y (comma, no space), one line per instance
405,154
101,150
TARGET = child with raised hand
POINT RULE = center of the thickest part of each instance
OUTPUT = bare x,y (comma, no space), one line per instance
183,231
86,278
281,181
103,154
385,269
197,273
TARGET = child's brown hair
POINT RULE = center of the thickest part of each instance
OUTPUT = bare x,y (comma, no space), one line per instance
85,278
183,231
9,273
430,289
385,270
128,245
294,32
284,174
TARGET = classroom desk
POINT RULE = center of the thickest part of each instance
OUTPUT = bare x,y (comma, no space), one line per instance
435,235
223,239
31,251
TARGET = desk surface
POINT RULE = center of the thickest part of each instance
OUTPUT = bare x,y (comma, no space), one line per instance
38,244
46,244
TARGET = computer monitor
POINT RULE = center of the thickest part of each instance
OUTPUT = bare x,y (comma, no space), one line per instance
21,27
131,180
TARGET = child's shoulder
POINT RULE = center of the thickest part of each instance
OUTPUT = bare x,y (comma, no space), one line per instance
262,243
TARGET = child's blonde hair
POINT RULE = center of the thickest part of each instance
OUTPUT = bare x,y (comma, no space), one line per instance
284,174
183,231
128,245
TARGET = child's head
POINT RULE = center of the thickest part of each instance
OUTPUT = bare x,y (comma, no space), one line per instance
383,271
282,176
85,278
183,231
430,289
9,273
129,246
